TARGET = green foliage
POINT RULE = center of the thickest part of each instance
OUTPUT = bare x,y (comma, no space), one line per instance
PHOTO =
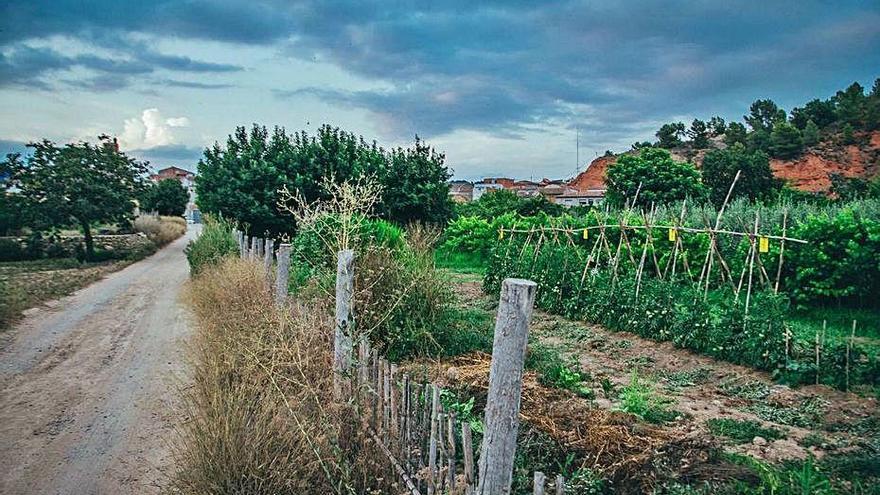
473,235
759,140
167,197
670,135
12,250
463,409
847,135
699,134
717,126
742,431
756,181
792,478
851,105
241,180
494,204
840,261
763,115
811,133
79,184
639,398
820,112
215,243
785,141
735,133
662,179
555,371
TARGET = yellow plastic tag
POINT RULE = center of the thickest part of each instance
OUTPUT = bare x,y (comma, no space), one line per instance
586,233
672,234
500,234
763,245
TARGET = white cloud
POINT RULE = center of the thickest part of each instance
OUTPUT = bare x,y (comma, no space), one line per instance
150,130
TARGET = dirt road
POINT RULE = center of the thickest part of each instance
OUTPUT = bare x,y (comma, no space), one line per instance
87,386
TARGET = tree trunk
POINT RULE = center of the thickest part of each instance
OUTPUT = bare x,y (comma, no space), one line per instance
90,243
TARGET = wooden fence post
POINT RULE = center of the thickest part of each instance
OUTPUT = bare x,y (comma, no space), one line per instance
242,245
268,258
253,248
282,274
344,307
505,386
538,483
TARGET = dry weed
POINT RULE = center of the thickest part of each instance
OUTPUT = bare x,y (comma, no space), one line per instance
261,416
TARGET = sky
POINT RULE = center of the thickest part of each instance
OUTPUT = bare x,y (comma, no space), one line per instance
503,88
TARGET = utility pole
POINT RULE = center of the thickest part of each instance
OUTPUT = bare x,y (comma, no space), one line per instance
577,140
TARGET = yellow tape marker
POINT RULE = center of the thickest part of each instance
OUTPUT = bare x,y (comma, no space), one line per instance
586,233
763,245
500,234
672,234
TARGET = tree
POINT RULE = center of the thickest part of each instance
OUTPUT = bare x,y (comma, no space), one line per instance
759,140
241,180
755,182
717,126
735,133
872,114
852,105
811,134
415,186
785,141
763,114
847,135
641,144
699,134
167,197
821,112
662,179
670,135
79,184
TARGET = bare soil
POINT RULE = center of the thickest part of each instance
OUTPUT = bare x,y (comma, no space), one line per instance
88,384
722,389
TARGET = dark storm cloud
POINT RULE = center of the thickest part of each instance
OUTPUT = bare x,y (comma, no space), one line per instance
610,67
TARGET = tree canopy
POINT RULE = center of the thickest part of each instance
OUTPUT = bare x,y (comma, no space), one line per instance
670,135
78,184
167,197
756,180
662,179
241,180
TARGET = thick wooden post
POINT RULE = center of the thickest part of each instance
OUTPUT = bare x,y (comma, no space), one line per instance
253,248
282,274
538,483
505,386
242,244
344,318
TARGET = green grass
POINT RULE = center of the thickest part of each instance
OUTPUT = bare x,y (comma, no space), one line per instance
554,370
639,398
742,431
807,322
460,262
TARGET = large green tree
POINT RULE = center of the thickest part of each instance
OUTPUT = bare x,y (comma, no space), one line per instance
763,114
669,135
785,141
755,182
735,133
821,112
78,184
241,180
699,134
167,197
662,179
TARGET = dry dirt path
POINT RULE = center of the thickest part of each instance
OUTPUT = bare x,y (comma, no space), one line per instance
87,385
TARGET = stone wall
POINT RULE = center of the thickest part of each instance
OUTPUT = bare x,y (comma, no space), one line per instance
66,245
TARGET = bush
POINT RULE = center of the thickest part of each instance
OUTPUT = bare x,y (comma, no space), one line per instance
472,235
160,230
12,250
215,243
841,261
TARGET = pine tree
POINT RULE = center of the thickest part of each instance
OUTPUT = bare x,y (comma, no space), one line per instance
811,134
785,140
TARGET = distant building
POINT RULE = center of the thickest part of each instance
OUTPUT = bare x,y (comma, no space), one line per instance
526,188
461,191
589,197
188,181
491,184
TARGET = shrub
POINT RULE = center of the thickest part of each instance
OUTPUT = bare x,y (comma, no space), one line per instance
215,243
160,230
472,235
12,250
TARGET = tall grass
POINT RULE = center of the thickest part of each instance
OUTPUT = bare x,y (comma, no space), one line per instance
215,243
262,419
